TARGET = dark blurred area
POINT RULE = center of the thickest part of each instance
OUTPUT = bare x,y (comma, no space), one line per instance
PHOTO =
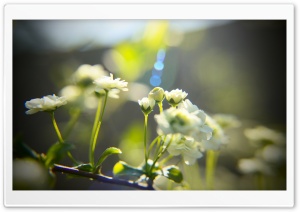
231,67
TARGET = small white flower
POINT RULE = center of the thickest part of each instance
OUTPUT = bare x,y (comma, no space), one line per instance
174,97
185,146
109,83
47,103
71,92
146,104
174,120
157,94
86,74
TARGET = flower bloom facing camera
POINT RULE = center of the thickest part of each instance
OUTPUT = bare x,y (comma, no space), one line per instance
47,103
109,83
185,146
174,97
146,104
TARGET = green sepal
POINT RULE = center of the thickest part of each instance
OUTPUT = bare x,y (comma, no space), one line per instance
56,152
171,172
122,168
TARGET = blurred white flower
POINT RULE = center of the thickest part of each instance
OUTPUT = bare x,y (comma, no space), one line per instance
109,83
174,97
253,165
157,94
47,103
227,120
172,121
71,92
86,74
185,146
218,136
146,104
261,136
272,154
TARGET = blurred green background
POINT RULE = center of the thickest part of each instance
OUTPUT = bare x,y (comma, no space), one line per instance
225,66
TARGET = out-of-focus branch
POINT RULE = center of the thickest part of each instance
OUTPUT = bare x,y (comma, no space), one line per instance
100,178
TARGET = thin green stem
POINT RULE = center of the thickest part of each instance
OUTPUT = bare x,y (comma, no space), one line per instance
60,139
260,181
96,128
75,113
160,105
160,154
211,162
145,141
166,159
152,144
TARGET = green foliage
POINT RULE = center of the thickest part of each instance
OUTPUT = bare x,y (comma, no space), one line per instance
85,167
109,151
173,173
56,152
121,168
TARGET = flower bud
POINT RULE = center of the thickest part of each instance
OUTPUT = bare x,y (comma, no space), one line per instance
147,105
157,94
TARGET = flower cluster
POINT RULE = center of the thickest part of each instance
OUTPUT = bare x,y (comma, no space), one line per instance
183,126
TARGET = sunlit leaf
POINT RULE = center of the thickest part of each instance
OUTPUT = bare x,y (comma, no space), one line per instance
122,168
109,151
56,152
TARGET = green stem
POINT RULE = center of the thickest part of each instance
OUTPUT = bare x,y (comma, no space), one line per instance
152,144
75,113
211,162
160,105
160,154
260,181
60,139
96,128
145,141
166,159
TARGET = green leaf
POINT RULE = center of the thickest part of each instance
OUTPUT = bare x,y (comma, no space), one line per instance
56,152
85,167
122,168
173,173
109,151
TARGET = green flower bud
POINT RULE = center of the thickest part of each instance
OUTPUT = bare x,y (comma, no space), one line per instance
157,94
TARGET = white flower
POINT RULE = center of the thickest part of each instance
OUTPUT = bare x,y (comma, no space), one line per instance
253,165
146,104
71,92
86,74
157,94
174,120
218,136
108,83
174,97
47,103
261,136
185,146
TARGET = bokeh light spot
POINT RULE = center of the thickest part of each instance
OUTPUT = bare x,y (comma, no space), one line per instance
155,80
159,65
161,55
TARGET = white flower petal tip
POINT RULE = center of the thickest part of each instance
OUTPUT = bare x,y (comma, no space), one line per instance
108,83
